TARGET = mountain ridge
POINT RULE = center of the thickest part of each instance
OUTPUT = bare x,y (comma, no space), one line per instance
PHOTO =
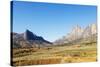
28,39
78,33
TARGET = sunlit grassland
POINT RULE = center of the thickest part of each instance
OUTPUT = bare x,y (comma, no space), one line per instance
55,55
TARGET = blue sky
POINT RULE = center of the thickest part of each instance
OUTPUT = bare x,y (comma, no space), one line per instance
50,20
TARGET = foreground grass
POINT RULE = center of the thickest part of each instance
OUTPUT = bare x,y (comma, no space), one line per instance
54,55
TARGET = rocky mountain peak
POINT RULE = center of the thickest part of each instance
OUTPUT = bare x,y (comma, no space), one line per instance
94,28
90,30
29,39
78,33
75,33
28,35
77,29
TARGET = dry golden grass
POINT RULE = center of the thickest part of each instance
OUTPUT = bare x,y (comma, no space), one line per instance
54,55
35,62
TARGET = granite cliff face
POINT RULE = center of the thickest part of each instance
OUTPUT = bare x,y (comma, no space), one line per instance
78,34
90,31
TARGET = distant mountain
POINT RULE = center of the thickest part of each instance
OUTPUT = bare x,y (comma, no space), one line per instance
90,30
28,39
78,34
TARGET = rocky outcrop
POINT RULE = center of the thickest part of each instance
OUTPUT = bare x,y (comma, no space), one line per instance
77,34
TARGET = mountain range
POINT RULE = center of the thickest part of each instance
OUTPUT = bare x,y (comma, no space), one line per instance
78,35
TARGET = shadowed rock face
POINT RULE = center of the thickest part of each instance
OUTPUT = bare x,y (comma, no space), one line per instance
28,39
28,35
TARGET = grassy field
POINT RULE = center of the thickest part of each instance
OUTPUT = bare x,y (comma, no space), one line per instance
55,55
